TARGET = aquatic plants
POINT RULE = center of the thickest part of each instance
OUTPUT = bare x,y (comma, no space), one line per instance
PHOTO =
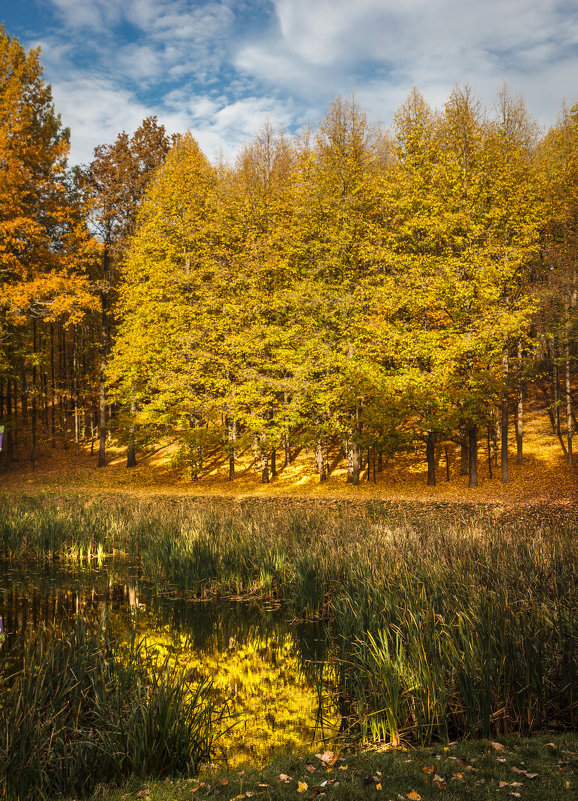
444,621
81,709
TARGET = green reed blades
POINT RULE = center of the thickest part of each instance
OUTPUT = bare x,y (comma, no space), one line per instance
83,709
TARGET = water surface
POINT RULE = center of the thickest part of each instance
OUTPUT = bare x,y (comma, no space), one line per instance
271,671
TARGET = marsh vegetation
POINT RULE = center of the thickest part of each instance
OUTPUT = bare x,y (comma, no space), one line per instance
439,622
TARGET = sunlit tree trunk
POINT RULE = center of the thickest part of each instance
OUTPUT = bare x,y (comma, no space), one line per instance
319,460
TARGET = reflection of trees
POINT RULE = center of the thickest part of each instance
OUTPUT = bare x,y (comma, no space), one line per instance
273,673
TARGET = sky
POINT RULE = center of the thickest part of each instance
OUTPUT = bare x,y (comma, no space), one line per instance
221,68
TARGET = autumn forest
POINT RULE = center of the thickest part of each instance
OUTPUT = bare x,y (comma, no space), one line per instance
358,286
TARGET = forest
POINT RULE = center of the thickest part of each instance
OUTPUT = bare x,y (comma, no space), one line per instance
357,286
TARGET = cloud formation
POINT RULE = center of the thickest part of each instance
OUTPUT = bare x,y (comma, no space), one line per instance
220,67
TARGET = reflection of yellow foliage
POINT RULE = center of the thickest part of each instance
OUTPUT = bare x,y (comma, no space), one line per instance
273,704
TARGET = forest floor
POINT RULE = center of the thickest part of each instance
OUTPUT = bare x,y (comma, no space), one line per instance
544,477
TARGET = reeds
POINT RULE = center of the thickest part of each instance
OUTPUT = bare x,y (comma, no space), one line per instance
82,709
445,621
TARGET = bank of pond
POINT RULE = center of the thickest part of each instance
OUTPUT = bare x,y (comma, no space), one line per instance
145,638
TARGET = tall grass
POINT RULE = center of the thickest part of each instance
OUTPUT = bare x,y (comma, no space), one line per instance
446,621
82,709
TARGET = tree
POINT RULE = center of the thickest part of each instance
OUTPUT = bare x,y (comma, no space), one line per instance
44,242
167,309
116,181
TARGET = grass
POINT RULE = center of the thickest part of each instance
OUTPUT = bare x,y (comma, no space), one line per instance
537,769
79,708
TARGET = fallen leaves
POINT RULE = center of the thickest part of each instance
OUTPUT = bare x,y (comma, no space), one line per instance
525,773
302,787
328,757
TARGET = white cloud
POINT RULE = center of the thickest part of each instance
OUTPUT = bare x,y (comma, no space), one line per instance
220,67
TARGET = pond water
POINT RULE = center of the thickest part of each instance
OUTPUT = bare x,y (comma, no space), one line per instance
271,671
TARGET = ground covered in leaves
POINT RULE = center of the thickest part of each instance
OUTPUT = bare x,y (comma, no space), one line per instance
543,478
543,768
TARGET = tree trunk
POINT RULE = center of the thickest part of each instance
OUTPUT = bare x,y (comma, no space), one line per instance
52,391
353,465
556,391
504,427
9,433
320,461
274,463
102,379
431,464
232,436
447,463
34,373
287,447
569,422
473,451
264,468
490,450
75,392
464,455
520,410
131,447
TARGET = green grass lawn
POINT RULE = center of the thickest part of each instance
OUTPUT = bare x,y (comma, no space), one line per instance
541,768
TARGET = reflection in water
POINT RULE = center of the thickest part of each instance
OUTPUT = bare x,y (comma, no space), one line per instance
269,671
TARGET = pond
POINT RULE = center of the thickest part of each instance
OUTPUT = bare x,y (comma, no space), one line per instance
272,671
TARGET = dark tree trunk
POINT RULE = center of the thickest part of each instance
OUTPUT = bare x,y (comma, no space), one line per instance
274,463
490,452
131,448
556,390
102,379
504,427
464,455
473,452
34,375
52,391
569,422
520,410
431,459
447,463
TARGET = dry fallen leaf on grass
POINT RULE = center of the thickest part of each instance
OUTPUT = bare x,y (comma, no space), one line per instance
428,768
497,746
328,757
413,796
310,768
284,778
302,787
524,773
378,786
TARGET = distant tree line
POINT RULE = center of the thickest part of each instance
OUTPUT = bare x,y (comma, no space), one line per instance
352,287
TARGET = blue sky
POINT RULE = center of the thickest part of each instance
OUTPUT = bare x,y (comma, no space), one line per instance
221,67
